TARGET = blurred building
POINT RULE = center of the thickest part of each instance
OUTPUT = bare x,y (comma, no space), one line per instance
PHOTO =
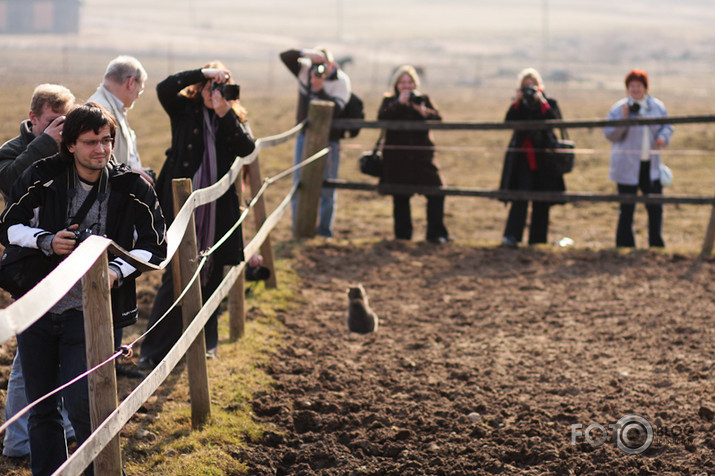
39,16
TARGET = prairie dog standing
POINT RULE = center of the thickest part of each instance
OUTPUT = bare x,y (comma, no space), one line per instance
361,318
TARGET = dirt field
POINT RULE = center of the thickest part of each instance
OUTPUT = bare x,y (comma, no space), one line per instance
486,357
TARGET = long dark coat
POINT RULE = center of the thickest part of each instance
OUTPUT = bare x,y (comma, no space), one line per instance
544,178
186,153
414,165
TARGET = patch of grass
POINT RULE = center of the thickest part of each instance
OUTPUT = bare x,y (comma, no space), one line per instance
170,446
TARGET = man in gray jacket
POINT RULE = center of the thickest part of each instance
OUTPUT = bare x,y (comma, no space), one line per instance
319,77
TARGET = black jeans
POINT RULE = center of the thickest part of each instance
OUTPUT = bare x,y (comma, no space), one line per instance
52,352
526,179
625,236
402,215
162,338
539,226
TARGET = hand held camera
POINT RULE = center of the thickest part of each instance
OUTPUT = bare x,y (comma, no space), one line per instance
229,91
634,107
416,98
81,235
319,69
529,92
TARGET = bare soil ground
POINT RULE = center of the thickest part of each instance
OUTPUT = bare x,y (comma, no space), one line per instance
486,357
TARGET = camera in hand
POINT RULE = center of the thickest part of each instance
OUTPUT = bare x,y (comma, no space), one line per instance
529,92
416,98
151,173
229,91
81,235
634,107
319,69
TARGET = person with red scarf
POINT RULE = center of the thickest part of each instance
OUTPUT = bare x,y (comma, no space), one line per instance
526,163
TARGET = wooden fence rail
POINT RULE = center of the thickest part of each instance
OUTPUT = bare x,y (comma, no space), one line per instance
708,242
518,125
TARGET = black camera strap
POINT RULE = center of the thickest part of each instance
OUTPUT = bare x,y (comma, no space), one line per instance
379,141
86,205
89,201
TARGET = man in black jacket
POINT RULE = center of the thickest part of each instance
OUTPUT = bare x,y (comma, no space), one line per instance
46,210
39,137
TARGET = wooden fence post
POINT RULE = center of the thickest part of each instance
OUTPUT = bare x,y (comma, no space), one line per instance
192,303
99,337
259,213
709,236
320,118
237,295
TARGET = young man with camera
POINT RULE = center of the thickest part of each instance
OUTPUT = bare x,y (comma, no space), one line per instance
319,77
77,189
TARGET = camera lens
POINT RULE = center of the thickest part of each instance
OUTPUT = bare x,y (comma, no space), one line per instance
229,91
417,99
319,69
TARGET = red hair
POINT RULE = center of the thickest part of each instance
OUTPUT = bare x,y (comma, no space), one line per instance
637,75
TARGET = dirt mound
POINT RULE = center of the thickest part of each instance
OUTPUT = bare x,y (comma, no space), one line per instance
487,358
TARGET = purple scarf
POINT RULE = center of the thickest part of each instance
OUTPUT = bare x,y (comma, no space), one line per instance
205,176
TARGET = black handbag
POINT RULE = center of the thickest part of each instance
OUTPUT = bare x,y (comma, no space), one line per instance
22,268
371,162
561,154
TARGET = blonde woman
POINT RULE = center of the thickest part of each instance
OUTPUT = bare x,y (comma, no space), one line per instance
409,154
208,131
526,165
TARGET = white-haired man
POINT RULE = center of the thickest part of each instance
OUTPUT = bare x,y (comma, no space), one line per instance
123,83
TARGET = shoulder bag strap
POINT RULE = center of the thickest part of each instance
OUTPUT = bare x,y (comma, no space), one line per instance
379,141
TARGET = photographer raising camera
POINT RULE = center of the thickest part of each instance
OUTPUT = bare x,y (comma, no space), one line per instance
409,154
526,163
319,78
208,130
635,157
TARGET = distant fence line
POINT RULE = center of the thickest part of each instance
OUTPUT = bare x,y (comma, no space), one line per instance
508,195
536,196
519,125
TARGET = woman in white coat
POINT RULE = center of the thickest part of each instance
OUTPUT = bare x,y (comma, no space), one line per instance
635,157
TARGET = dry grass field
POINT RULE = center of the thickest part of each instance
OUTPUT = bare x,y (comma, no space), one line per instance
486,357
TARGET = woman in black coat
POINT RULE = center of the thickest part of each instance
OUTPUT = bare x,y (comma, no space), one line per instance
408,155
208,132
526,164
